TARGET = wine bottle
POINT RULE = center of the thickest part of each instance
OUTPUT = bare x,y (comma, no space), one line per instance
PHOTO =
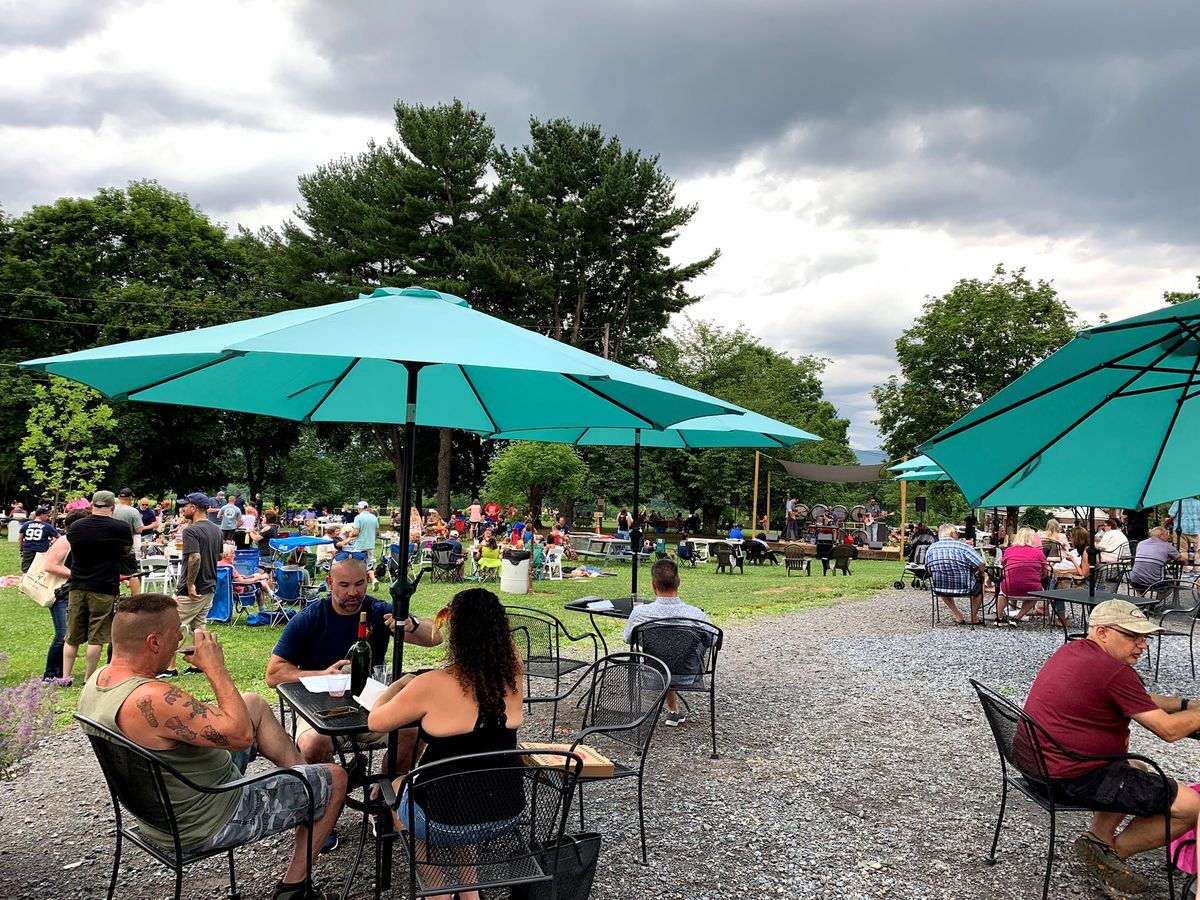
360,658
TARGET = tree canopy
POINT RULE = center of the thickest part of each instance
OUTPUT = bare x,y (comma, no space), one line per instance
967,345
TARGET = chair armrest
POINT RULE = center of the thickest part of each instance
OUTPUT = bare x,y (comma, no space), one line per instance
246,780
565,694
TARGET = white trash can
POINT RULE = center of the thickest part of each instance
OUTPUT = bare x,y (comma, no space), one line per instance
514,572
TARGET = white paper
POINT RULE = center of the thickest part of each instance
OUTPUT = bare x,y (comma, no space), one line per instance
317,684
601,604
370,693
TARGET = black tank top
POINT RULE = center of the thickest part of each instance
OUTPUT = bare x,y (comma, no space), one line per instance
465,799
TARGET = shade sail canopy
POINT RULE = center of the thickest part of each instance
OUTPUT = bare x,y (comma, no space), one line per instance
1111,419
746,430
350,362
834,474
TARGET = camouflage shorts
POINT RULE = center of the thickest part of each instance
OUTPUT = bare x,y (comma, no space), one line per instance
275,804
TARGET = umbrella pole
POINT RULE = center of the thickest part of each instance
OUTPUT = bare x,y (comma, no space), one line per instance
1091,551
402,590
635,535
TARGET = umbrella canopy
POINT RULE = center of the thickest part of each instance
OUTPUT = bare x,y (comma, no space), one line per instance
1111,419
350,362
929,474
749,429
917,462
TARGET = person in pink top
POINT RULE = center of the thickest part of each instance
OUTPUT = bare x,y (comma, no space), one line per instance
1025,567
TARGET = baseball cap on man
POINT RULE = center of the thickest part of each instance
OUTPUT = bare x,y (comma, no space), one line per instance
125,492
104,498
198,499
362,504
1122,614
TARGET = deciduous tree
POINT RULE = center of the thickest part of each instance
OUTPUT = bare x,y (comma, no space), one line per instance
67,444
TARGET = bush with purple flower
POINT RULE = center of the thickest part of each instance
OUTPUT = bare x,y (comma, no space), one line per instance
26,716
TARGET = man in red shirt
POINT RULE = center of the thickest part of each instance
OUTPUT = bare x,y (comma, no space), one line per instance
1084,697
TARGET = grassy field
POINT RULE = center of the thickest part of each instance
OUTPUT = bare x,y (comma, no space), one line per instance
764,590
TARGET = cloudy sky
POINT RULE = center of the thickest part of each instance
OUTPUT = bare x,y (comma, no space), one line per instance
849,157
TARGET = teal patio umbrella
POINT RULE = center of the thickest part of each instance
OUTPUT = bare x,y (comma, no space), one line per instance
1111,419
745,429
397,356
910,465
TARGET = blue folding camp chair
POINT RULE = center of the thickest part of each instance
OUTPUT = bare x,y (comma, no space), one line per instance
222,605
245,563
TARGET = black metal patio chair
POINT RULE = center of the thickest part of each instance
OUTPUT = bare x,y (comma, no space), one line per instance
542,638
1178,606
138,784
622,696
689,648
1021,743
492,821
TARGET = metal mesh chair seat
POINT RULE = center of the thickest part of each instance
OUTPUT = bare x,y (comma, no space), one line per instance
486,817
551,667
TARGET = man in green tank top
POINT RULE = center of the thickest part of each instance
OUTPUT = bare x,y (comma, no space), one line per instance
209,743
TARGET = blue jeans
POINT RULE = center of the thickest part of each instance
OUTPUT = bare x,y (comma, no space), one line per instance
443,835
58,615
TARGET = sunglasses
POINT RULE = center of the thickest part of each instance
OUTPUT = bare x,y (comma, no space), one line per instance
360,555
1129,634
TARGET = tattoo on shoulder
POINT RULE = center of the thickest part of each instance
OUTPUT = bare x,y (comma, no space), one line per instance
176,725
146,707
215,736
197,708
172,694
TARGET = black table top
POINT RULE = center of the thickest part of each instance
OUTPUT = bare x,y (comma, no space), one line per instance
1081,596
307,705
622,606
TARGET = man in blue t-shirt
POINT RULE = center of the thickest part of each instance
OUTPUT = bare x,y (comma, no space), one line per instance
316,641
35,537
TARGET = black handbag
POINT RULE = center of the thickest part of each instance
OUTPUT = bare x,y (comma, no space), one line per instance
578,855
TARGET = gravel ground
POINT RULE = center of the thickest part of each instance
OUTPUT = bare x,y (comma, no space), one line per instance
855,763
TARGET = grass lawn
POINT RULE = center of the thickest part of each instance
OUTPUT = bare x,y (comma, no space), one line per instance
27,631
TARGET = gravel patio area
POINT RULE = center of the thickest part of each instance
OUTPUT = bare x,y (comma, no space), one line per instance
855,763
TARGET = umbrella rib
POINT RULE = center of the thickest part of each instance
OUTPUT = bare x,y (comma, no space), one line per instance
1125,326
1159,369
614,402
1058,437
1162,446
125,395
482,405
332,387
1154,390
955,430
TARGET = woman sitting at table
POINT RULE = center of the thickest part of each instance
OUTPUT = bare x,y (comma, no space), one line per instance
1025,568
1074,567
473,705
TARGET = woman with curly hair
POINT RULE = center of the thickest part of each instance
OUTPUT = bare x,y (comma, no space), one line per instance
473,705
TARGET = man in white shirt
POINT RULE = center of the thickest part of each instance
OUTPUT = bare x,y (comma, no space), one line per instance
664,579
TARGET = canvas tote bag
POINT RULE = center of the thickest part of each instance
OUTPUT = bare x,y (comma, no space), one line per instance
39,584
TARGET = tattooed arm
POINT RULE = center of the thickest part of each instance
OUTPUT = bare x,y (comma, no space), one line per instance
160,716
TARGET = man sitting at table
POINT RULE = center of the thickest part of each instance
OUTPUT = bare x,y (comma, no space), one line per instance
664,579
211,743
956,570
1150,563
1084,698
315,641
